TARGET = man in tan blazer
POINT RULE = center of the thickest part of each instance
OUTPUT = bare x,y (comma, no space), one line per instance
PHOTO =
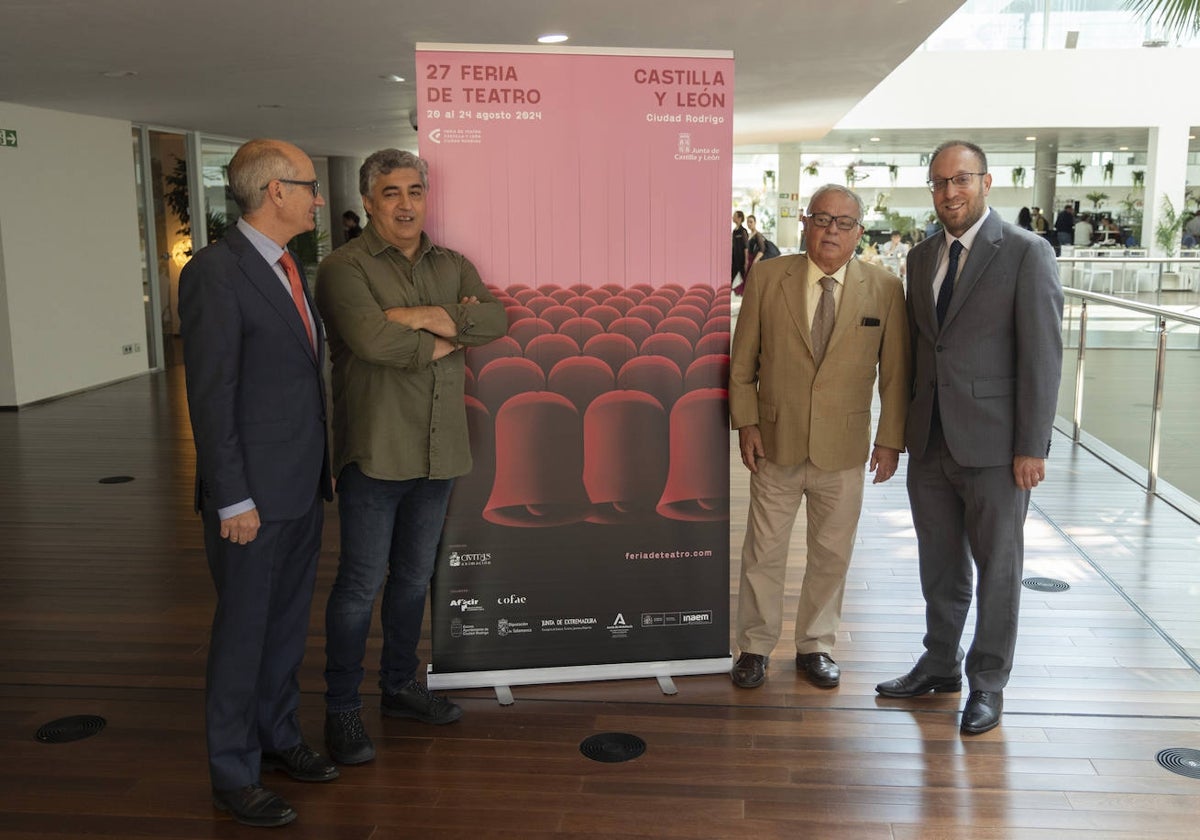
810,336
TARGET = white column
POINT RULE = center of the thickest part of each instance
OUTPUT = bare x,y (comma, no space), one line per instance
1166,175
1045,177
787,228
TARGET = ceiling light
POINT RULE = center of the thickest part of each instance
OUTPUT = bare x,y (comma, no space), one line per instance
268,107
874,139
119,74
553,38
1031,138
855,149
1122,148
1191,136
391,77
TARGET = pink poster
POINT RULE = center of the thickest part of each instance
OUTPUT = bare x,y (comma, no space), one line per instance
591,188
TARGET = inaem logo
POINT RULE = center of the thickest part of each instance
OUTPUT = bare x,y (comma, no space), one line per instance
435,135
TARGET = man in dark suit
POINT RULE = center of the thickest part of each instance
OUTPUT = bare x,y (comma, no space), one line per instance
985,312
252,348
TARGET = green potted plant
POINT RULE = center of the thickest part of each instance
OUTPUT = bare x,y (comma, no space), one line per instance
1108,172
1018,176
1138,176
812,168
1097,199
1076,166
853,176
1166,230
893,173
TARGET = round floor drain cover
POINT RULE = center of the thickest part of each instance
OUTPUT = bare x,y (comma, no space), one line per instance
116,479
1046,585
612,747
68,729
1185,762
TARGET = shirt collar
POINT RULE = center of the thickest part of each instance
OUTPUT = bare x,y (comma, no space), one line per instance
267,247
968,237
376,244
815,274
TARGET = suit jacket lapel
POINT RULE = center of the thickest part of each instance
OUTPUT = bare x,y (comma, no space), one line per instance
795,295
263,278
987,243
848,307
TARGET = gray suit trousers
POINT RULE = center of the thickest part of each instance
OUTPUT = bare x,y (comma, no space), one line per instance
960,514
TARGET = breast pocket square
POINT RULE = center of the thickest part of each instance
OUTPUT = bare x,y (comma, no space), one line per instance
870,322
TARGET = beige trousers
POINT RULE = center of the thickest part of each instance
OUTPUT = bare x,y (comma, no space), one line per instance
834,503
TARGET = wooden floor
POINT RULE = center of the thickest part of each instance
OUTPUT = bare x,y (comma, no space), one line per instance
105,602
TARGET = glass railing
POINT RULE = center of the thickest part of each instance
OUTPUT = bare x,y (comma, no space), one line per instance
1130,389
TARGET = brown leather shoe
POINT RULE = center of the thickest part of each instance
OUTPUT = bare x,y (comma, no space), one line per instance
820,669
750,670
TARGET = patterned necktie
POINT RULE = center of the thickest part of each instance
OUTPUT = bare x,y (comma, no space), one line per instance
293,276
822,325
943,298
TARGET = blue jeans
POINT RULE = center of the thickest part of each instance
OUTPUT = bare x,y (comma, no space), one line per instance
389,529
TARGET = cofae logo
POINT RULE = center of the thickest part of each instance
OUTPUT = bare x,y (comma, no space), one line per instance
511,599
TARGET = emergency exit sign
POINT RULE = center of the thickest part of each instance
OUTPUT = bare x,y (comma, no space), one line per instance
8,137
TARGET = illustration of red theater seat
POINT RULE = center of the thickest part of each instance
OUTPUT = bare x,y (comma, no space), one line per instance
523,295
675,287
720,309
516,313
478,357
580,379
694,313
549,288
612,288
471,491
675,347
468,381
715,323
539,464
549,350
671,293
579,303
697,487
637,329
626,445
562,295
644,288
701,289
581,329
540,303
699,301
660,302
614,349
513,288
528,328
580,288
557,314
598,295
711,371
650,314
633,294
657,376
502,379
714,342
605,315
621,304
506,300
685,327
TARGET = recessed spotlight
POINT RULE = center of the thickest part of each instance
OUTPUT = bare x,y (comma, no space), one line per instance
1122,148
1031,138
391,77
874,139
553,38
1191,136
855,149
119,74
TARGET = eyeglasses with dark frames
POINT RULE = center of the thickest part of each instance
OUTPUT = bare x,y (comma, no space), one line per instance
961,180
842,222
315,186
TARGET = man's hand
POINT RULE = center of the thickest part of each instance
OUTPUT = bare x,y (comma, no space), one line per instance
442,347
750,442
242,528
884,462
1028,471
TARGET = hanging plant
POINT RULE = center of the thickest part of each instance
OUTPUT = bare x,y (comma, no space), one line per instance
1076,166
853,176
894,173
812,169
1139,177
1108,172
1018,176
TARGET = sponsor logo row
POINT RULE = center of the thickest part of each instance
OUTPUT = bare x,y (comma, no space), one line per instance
618,628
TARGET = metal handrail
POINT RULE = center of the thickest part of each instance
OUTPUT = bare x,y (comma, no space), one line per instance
1162,316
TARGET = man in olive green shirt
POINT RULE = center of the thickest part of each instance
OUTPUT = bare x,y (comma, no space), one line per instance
398,310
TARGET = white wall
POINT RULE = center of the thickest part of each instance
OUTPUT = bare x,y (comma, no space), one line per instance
70,266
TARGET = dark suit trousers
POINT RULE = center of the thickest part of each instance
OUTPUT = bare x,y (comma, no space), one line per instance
962,513
264,594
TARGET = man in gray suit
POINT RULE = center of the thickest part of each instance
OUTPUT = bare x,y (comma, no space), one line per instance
985,311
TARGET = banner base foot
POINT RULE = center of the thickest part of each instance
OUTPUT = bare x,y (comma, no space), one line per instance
498,680
504,695
667,685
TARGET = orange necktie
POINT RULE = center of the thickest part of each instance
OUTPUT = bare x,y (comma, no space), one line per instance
289,268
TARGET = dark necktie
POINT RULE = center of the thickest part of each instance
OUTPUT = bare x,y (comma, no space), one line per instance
944,294
293,276
822,325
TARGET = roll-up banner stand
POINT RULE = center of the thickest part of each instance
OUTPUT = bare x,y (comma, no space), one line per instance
591,188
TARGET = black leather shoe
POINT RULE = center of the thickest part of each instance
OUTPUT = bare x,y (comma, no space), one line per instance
254,805
414,700
982,712
820,669
302,763
750,670
345,738
915,683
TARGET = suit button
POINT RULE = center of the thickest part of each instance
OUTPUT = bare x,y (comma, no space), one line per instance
938,348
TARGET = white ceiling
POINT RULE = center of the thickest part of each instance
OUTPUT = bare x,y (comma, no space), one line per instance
309,70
